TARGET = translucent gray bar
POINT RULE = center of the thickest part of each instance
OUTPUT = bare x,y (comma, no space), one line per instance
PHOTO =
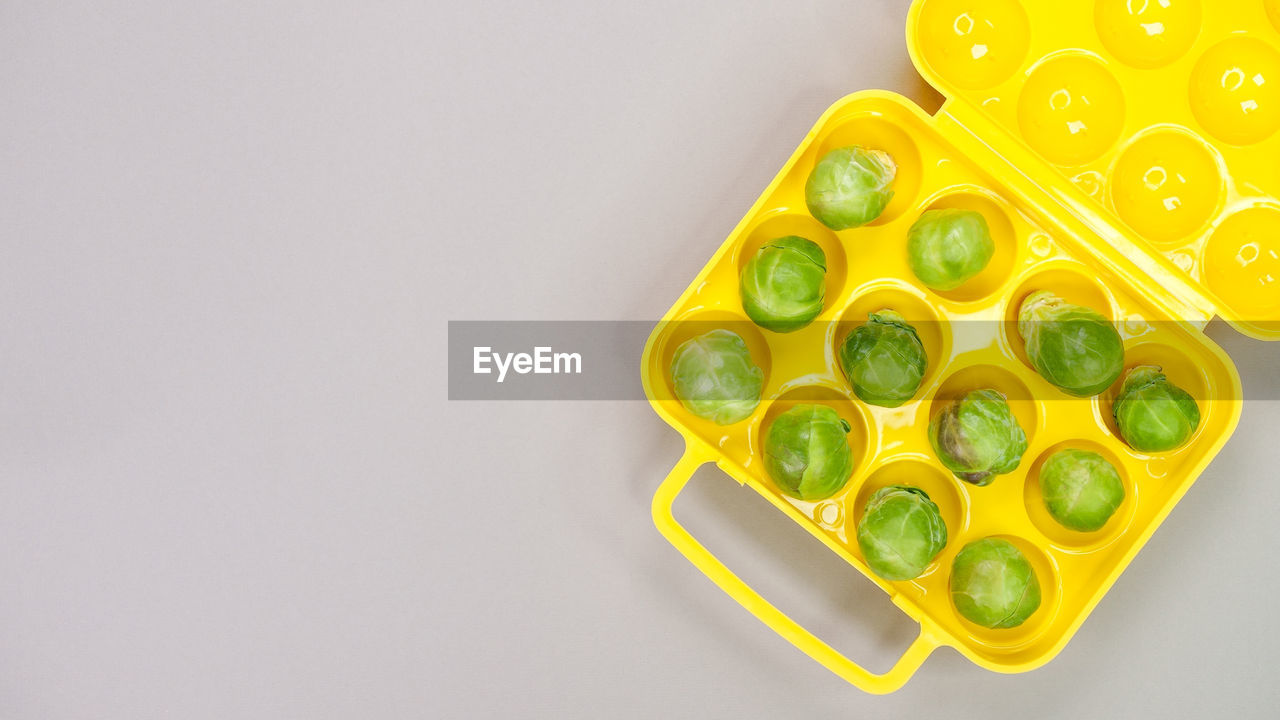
600,360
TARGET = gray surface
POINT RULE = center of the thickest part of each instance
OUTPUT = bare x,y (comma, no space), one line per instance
231,485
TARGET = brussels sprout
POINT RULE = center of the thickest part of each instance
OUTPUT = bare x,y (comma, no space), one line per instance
1073,347
901,532
850,187
977,437
993,584
715,377
884,360
947,247
806,452
783,284
1081,489
1153,414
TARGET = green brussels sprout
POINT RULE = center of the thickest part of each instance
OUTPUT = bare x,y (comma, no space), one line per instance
850,187
993,584
901,532
1073,347
715,377
1081,489
977,437
783,284
1153,414
884,360
806,452
947,247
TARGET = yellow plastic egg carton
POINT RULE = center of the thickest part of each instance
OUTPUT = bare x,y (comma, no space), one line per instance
1089,135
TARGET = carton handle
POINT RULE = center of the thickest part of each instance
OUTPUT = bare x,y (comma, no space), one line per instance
748,598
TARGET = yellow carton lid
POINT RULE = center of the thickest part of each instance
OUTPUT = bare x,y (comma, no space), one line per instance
1154,121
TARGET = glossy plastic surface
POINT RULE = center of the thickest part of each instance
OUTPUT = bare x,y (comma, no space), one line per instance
1155,120
971,341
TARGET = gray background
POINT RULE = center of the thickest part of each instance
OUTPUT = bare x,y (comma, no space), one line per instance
231,484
